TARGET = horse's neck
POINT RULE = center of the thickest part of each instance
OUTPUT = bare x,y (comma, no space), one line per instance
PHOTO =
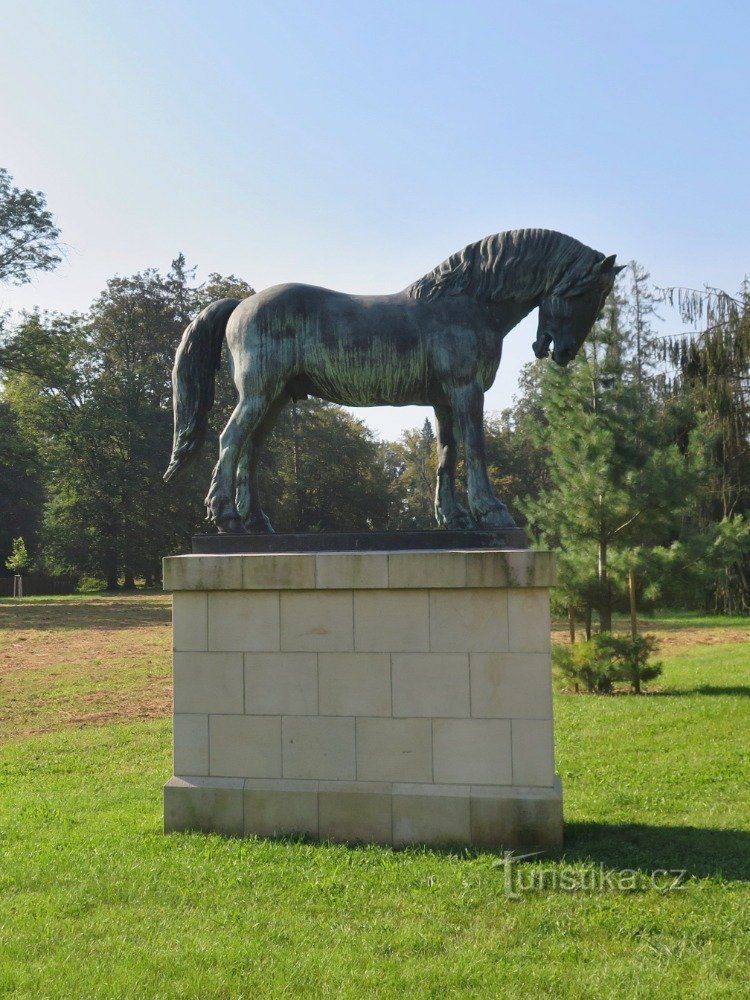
508,313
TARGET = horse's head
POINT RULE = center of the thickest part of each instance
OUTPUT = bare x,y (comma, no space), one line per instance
565,320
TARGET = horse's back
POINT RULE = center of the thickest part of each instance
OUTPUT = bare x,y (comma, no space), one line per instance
359,350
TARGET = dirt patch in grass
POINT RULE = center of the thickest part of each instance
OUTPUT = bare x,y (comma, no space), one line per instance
82,662
671,635
77,662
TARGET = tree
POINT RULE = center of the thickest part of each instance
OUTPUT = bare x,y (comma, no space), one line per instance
617,481
21,495
18,560
92,397
29,238
411,465
516,457
710,395
304,488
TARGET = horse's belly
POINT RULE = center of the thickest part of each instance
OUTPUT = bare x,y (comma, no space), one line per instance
371,378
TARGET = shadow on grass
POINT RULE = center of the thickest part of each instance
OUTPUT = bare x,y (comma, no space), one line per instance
695,851
699,851
106,612
734,691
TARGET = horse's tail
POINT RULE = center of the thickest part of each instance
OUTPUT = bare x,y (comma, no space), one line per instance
193,381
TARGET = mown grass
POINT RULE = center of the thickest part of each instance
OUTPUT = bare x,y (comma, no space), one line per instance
97,903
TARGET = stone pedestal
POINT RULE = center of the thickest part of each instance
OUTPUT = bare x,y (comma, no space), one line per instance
392,697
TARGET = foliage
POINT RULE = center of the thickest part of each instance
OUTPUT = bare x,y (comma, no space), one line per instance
710,394
616,478
599,663
18,560
411,465
21,493
29,238
91,398
322,471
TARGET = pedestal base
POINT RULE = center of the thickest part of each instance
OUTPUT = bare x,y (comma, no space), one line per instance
393,698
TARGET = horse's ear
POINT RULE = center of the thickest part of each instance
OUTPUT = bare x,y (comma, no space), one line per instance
608,264
620,267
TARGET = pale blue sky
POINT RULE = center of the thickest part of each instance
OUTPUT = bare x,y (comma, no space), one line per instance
356,145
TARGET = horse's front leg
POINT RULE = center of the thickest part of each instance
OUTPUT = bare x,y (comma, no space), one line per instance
467,402
448,511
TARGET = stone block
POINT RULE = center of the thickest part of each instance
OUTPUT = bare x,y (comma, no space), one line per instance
204,805
514,568
426,569
529,621
202,572
431,814
354,683
277,807
281,684
472,751
316,621
190,744
468,621
352,812
318,747
278,571
247,621
511,686
431,684
533,752
190,621
208,682
517,819
394,750
246,746
352,570
391,621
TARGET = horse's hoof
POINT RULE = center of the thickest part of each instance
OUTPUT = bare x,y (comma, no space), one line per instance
459,522
231,526
259,526
458,519
497,518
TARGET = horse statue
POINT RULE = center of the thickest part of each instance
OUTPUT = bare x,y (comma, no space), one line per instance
438,342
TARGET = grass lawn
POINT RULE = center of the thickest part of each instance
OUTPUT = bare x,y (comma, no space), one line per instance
96,903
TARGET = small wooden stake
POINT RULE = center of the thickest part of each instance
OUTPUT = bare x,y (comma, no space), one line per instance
633,612
571,624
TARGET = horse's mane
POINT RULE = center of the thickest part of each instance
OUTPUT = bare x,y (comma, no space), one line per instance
520,263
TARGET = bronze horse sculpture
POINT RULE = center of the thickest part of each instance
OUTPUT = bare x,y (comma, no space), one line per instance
438,342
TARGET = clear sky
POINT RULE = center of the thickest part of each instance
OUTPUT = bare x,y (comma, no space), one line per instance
355,145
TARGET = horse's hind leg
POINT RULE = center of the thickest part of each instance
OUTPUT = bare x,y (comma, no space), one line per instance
220,500
448,511
248,496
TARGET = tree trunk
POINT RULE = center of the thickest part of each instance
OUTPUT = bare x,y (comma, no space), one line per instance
588,623
571,624
633,609
605,598
112,577
129,583
300,526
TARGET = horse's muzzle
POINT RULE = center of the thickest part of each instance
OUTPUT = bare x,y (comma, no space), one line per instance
541,346
563,355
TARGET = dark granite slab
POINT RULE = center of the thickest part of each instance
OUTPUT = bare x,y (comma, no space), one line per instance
360,541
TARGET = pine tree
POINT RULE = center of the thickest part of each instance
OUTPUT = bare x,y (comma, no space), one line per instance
617,482
710,396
